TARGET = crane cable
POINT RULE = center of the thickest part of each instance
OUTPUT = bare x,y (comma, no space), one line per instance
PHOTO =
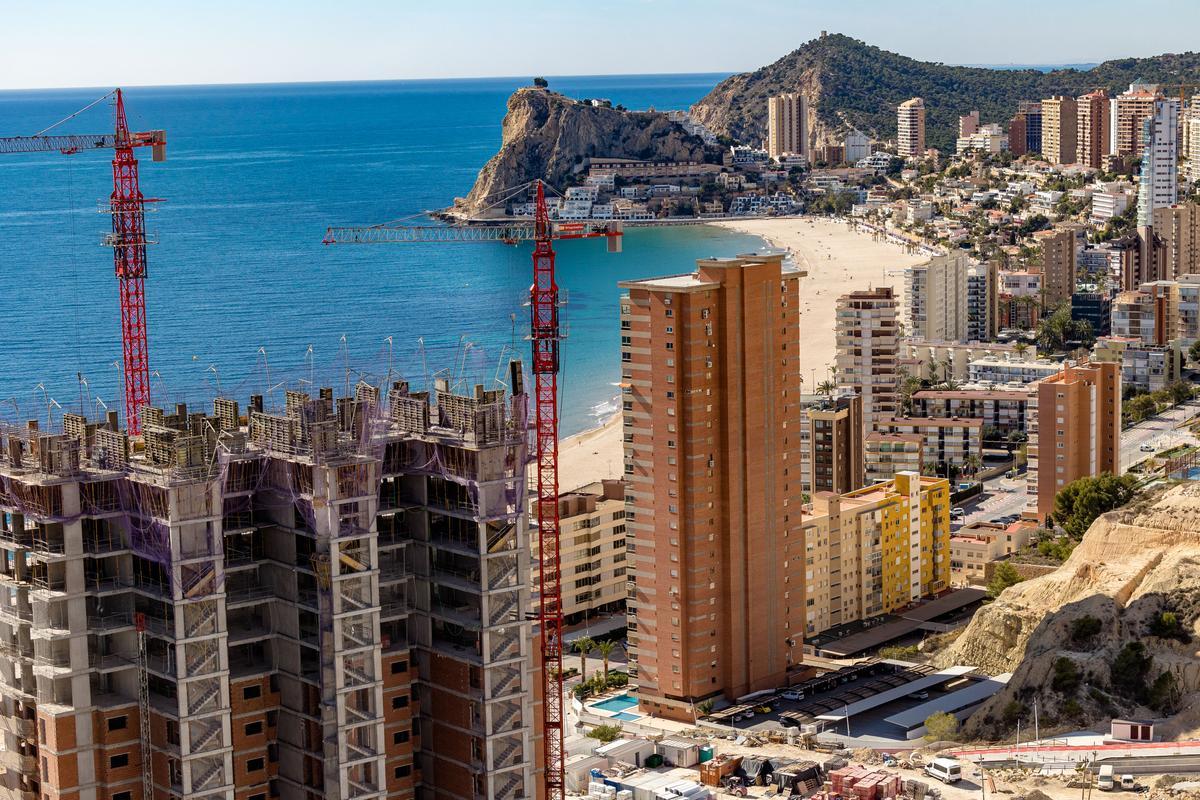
70,117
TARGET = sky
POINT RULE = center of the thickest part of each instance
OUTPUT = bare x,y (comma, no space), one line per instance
66,43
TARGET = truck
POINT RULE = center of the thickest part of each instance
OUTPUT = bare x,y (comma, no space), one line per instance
1104,778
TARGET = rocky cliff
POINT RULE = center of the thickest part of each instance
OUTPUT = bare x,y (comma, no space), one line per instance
547,135
852,84
1133,565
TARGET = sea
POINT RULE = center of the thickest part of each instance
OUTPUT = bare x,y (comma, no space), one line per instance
242,296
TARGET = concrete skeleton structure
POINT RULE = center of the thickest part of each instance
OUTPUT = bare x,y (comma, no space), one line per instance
334,597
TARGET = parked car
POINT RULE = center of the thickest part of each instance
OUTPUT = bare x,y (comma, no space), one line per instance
921,695
1147,448
792,694
957,513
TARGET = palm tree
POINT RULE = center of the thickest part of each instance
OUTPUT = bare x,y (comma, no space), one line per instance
583,647
971,464
605,650
826,388
1020,348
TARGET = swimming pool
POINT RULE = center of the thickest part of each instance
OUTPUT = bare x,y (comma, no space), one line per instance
618,703
625,715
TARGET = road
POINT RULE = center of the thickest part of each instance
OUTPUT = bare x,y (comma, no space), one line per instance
1161,431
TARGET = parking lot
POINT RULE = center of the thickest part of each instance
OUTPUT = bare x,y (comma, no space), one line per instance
831,694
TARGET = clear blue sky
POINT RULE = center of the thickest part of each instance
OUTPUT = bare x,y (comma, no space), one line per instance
55,43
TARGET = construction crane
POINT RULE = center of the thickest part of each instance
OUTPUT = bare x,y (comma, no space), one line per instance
545,337
128,238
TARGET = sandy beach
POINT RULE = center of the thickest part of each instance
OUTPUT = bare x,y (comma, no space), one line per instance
838,260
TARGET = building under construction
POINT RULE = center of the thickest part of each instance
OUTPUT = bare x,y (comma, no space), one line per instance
328,600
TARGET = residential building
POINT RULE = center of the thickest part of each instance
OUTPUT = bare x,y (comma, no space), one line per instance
1076,432
1092,129
974,546
866,335
712,513
968,124
1019,313
1012,368
1094,308
876,550
1191,140
1032,111
1177,228
983,302
1158,181
1021,283
939,361
1144,367
323,592
856,146
910,128
1059,118
787,125
890,453
1017,135
947,441
1106,205
834,455
936,295
592,550
1126,115
1058,264
1002,407
991,138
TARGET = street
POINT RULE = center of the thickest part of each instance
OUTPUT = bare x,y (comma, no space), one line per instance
1004,496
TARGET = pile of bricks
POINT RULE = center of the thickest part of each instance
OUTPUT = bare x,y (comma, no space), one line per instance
860,783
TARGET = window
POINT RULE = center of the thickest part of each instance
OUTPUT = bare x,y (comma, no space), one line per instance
259,796
254,728
255,764
118,723
252,692
400,737
399,666
129,796
403,771
118,761
400,701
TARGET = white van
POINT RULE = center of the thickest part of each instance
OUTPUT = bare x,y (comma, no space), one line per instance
1104,780
946,770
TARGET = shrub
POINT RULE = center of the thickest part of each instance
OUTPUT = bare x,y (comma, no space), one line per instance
899,652
1167,626
1165,694
1129,669
1013,711
941,727
1084,629
705,707
1066,676
605,733
1072,709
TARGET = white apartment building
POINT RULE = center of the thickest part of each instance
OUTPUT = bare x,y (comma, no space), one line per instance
857,146
787,125
1158,182
1011,368
1106,205
933,360
936,295
1021,284
866,334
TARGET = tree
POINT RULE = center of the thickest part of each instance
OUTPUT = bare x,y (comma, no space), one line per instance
1020,348
826,388
1129,669
583,647
1080,502
705,707
1084,629
605,649
971,464
605,733
941,727
1004,576
1066,677
540,82
1194,351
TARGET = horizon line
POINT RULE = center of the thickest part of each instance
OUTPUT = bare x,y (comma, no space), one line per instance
332,82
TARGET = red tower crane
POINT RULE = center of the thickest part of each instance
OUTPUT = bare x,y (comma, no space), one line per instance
128,238
545,336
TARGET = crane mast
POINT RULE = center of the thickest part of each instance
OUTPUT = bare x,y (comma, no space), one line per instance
128,238
544,335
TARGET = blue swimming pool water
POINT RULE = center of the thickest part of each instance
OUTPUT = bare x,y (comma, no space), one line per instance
625,715
619,703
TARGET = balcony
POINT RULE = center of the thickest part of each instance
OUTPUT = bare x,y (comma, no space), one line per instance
16,762
18,726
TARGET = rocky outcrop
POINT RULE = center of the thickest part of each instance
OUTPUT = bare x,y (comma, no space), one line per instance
1132,565
547,135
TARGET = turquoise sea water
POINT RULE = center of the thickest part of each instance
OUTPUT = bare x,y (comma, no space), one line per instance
253,175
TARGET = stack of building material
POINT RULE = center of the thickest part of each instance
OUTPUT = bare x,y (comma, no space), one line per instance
712,772
863,784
